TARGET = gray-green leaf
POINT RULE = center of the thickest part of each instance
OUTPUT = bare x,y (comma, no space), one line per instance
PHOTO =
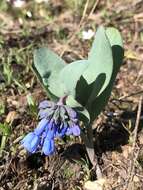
48,64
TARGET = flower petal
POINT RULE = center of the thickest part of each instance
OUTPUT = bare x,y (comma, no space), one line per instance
50,134
41,126
48,147
69,131
62,132
28,138
34,144
43,136
30,142
75,130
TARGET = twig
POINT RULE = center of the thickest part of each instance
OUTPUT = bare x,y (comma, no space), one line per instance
3,142
136,33
132,94
93,8
134,156
137,121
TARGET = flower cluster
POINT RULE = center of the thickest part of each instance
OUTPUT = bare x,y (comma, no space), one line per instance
56,120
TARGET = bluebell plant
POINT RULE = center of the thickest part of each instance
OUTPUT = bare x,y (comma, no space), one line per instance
56,121
78,92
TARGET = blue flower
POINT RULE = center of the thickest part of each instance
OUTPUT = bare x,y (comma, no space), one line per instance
73,130
56,120
62,131
31,142
41,126
48,146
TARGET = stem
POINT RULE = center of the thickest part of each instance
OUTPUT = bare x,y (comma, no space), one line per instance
61,100
89,143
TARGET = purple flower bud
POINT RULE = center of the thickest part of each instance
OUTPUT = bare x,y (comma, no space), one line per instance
45,113
72,113
31,142
46,104
48,146
75,130
41,126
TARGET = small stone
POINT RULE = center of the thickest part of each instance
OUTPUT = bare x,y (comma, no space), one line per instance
95,185
136,179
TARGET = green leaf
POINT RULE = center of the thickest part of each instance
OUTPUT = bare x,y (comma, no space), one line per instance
114,37
98,73
71,74
86,93
118,53
48,65
100,59
117,48
49,94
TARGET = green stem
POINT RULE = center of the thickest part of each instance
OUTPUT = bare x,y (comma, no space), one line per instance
89,143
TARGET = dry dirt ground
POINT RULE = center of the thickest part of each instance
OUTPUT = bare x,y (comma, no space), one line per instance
118,129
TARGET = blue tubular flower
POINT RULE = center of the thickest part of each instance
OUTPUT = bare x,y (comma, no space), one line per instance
31,142
48,146
62,131
43,136
56,120
41,126
50,134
